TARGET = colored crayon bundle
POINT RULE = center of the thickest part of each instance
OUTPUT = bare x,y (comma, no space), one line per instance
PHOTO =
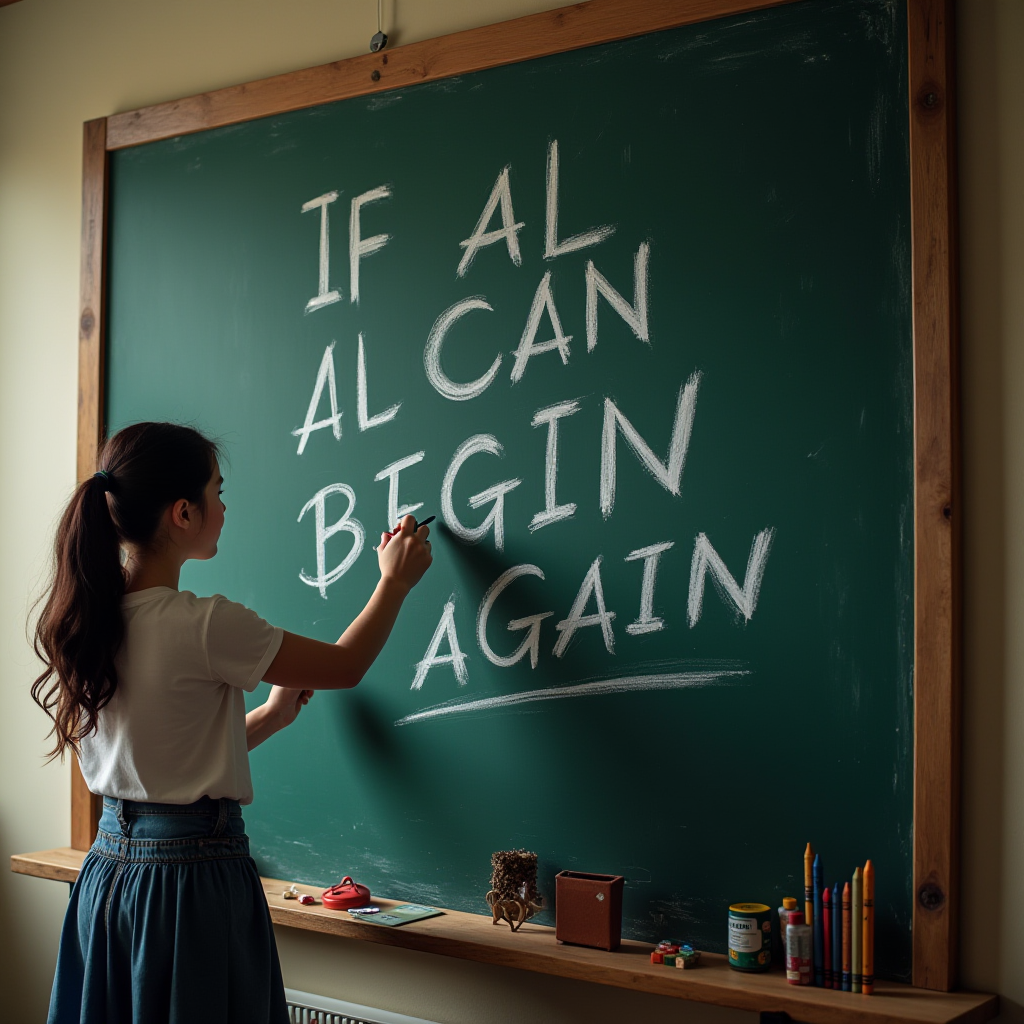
842,920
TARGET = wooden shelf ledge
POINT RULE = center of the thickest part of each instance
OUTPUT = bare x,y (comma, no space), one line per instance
533,948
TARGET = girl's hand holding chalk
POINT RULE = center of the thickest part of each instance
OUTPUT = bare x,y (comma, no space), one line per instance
404,555
415,526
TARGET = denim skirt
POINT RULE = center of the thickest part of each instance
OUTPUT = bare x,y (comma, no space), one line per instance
168,923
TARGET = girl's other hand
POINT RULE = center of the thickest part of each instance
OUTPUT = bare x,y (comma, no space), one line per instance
404,556
285,704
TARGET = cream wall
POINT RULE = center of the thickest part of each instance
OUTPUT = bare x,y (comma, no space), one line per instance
65,61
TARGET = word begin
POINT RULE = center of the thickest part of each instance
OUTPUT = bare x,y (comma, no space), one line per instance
667,472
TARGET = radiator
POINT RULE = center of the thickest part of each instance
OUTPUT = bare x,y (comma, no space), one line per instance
306,1008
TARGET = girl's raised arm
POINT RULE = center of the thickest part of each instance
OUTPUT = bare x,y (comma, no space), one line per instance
303,663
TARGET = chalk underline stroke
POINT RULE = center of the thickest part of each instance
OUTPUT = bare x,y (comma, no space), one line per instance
598,688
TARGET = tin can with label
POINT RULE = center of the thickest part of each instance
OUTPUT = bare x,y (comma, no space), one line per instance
750,937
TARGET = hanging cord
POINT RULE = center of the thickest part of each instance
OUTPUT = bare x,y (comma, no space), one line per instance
380,40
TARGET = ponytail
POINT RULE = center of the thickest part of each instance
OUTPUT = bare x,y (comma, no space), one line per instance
146,467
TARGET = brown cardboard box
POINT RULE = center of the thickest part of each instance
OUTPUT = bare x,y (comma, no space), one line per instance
588,909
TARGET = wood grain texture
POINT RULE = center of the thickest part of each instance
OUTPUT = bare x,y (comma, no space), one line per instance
533,948
85,808
62,865
537,35
937,529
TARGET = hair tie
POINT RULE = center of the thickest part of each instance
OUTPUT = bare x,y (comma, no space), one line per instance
108,481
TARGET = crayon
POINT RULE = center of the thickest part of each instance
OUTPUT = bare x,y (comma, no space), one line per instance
846,937
856,931
809,885
826,931
818,934
837,937
868,966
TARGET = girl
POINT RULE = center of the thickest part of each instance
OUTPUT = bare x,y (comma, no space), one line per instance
167,921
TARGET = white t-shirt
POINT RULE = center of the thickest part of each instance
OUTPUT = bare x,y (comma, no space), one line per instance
174,730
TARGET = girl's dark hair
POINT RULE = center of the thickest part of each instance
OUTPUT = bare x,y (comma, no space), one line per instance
144,469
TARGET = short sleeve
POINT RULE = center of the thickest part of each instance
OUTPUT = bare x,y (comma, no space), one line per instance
240,646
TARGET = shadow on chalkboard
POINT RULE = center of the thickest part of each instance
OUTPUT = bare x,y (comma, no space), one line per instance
484,564
362,720
540,732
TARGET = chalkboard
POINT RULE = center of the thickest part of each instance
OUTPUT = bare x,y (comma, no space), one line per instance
634,322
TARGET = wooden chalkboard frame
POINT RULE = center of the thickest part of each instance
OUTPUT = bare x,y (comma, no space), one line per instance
937,528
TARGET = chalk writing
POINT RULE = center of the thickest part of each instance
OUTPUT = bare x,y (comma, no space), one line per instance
590,612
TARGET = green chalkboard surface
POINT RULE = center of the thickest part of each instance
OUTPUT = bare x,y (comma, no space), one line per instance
634,323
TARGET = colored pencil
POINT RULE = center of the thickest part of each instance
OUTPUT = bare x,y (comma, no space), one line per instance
837,937
846,937
868,966
817,943
809,885
856,931
826,931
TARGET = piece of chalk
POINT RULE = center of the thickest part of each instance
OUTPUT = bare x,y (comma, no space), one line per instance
416,526
307,901
291,893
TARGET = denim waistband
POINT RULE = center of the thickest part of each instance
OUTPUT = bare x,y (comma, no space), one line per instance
137,832
204,805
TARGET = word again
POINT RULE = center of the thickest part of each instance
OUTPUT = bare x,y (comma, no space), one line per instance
590,608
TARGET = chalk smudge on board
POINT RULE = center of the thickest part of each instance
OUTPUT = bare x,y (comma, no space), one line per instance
876,140
385,99
879,21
